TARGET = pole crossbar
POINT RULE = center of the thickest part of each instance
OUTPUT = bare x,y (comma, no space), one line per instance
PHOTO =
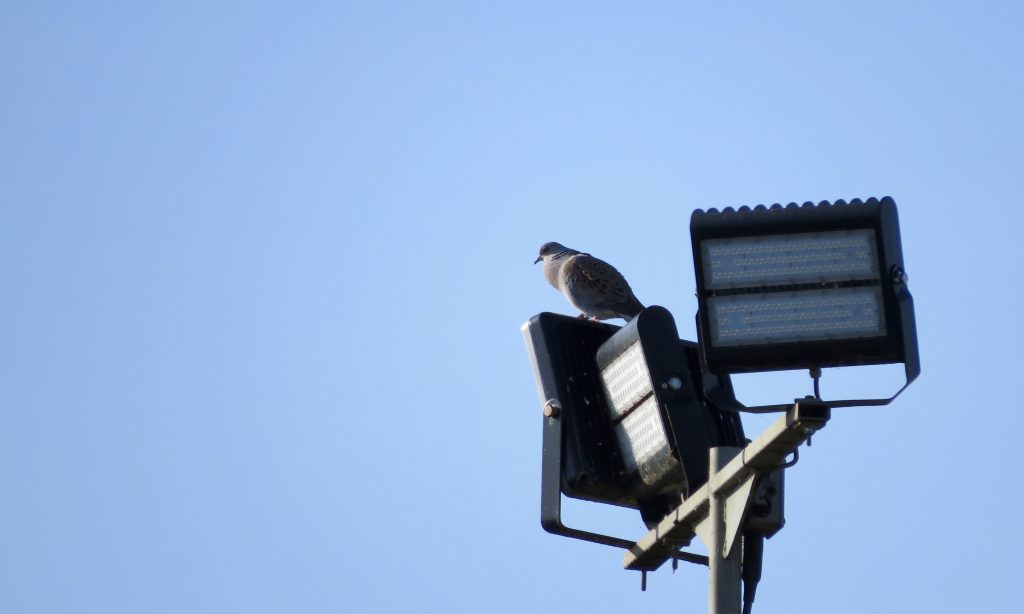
767,452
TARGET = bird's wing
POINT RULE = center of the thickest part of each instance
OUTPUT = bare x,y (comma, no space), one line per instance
597,282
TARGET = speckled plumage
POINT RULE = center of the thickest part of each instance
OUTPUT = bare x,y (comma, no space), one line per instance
590,284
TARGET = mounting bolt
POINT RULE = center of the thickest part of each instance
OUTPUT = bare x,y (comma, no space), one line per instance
899,276
552,408
672,383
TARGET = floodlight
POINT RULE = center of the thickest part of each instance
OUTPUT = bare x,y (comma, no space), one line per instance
656,407
803,286
627,417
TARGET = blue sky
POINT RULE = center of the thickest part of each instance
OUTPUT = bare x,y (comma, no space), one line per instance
263,268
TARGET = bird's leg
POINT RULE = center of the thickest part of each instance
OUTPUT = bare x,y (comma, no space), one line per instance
582,316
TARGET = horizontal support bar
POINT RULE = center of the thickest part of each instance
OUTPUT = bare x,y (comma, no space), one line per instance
767,452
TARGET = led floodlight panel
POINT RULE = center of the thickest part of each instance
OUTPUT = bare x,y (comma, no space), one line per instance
655,389
636,414
802,286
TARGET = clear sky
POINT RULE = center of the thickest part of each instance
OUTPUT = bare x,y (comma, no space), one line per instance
263,268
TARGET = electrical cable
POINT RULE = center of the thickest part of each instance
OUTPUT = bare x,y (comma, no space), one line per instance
753,554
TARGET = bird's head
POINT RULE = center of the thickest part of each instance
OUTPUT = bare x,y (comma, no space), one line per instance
553,251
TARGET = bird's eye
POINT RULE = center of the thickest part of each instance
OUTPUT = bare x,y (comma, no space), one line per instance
544,250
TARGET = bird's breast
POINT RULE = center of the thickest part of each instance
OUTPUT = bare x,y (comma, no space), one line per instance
552,272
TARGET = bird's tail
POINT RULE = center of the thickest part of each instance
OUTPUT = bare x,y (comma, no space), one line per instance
637,307
629,316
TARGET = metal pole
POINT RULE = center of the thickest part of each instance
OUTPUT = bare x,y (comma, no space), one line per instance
724,574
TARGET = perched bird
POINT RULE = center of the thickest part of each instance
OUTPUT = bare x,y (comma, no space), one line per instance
592,285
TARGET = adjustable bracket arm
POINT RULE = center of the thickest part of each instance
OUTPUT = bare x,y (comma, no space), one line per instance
551,492
551,484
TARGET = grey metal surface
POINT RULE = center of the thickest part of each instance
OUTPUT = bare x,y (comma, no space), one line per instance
724,580
767,452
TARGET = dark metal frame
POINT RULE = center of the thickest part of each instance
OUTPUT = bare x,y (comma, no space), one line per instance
580,457
898,345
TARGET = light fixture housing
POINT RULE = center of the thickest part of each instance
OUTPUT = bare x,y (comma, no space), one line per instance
582,453
802,286
654,393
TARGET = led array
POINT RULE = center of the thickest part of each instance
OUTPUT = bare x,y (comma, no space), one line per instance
789,259
627,380
744,319
642,437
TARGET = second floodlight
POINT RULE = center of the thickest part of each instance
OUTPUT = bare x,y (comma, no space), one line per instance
654,393
806,286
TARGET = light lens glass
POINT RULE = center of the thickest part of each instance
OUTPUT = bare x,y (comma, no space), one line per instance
626,380
790,259
786,317
642,438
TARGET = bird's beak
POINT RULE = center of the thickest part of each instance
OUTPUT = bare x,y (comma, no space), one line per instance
539,258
